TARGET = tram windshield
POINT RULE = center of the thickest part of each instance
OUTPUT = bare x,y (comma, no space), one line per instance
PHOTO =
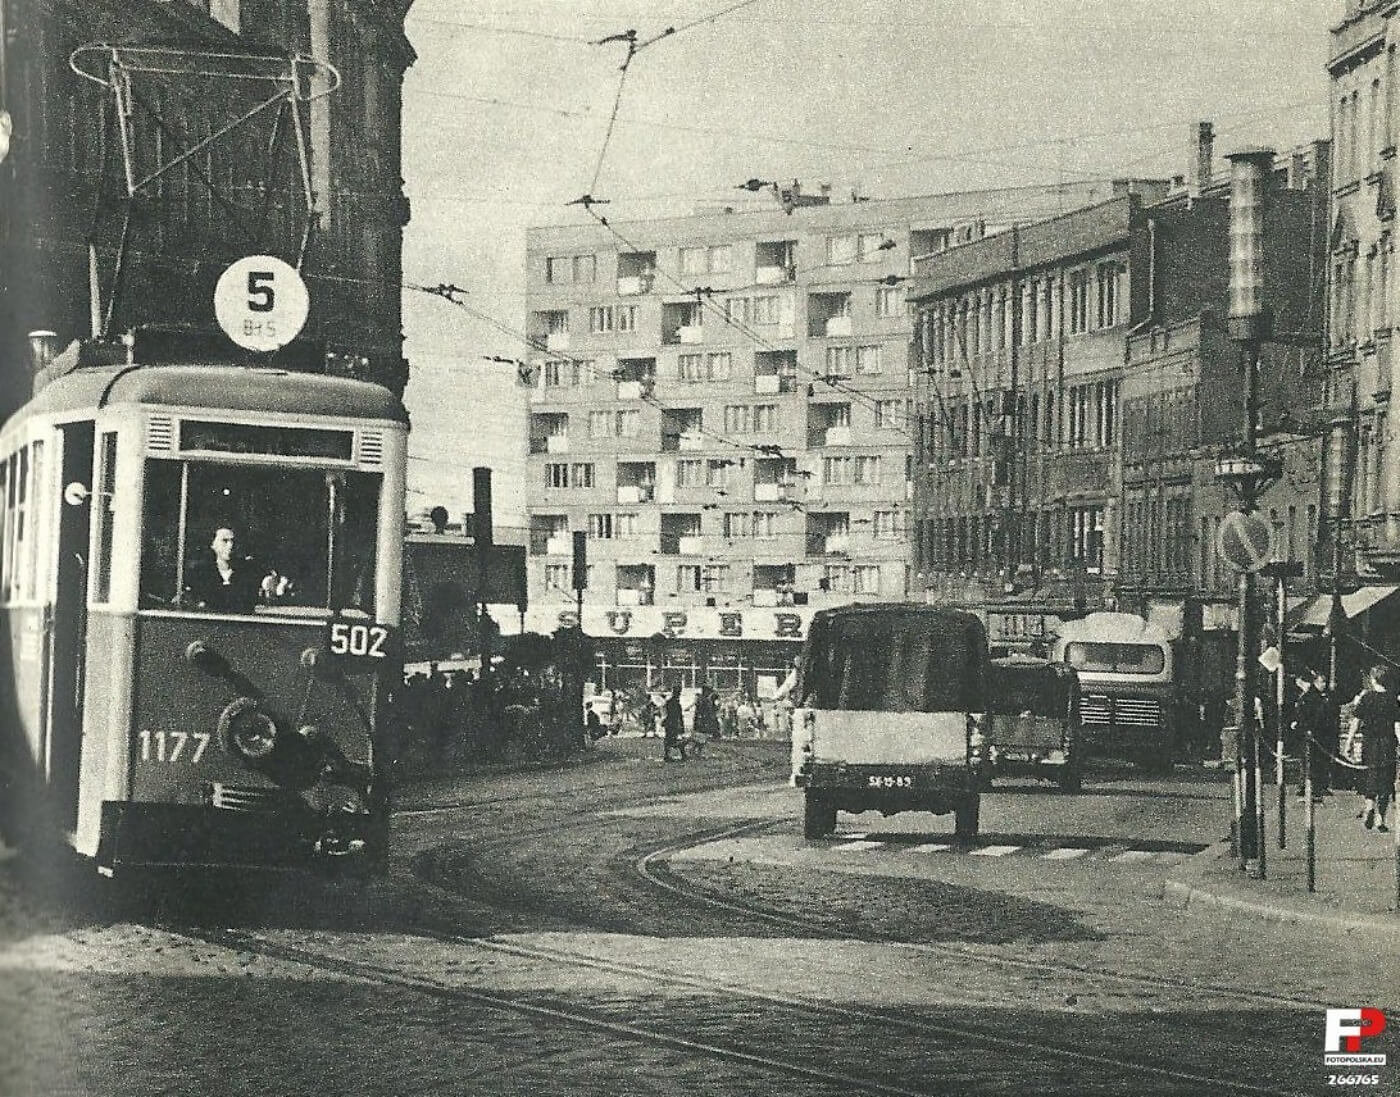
224,538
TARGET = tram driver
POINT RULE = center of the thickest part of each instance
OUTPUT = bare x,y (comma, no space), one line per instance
225,582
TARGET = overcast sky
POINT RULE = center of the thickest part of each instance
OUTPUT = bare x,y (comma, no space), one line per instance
507,107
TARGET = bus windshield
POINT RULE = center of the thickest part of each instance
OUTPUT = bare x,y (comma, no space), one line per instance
896,662
226,538
1115,658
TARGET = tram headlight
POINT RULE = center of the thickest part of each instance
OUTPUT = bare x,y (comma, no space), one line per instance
247,731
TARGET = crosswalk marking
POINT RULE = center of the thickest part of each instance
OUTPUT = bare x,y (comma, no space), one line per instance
931,847
1132,855
994,851
1066,853
859,843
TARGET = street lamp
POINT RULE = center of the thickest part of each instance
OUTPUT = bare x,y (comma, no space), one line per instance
1248,325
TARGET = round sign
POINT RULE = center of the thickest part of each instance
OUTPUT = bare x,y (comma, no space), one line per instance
261,302
1246,541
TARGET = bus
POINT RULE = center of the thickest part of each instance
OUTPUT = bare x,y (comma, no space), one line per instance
890,700
1128,690
200,571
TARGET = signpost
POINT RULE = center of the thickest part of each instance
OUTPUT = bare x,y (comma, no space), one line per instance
261,302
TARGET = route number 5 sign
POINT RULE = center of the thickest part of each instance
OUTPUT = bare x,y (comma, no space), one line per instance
261,302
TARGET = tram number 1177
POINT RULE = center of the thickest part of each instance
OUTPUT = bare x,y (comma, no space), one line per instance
169,746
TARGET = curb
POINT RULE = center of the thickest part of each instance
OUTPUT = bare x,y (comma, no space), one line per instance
1196,884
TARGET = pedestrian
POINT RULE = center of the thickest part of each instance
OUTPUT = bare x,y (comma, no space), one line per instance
673,726
706,714
647,717
593,724
1376,717
1312,722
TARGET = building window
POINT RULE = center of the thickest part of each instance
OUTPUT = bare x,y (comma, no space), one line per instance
1093,411
600,527
690,473
585,268
707,578
738,525
719,367
1078,302
888,525
581,474
1086,536
625,525
868,359
1107,299
562,373
840,361
600,319
613,424
556,576
765,523
563,269
626,317
865,579
889,302
836,578
750,419
841,250
851,470
706,260
691,367
556,321
717,472
556,475
891,414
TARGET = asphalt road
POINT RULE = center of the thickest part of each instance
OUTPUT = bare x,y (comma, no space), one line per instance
618,926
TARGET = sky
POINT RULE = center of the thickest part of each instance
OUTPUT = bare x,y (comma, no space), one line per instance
506,120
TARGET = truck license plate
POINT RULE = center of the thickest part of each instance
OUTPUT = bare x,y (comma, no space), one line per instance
889,780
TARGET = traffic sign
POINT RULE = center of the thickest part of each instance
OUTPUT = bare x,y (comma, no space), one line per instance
1246,541
261,302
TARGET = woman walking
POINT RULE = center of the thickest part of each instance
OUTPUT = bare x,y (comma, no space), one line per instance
1376,715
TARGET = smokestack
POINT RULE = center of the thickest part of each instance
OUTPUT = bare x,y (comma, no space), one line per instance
1202,151
481,506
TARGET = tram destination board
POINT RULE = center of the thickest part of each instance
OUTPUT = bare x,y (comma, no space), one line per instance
213,437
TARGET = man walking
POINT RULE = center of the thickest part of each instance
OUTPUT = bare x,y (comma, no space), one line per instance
673,726
1314,725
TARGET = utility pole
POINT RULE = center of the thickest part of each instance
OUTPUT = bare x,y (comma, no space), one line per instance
1007,459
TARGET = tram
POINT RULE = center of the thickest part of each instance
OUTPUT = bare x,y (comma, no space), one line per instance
200,568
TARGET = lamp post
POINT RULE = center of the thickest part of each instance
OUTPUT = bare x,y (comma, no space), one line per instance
1248,325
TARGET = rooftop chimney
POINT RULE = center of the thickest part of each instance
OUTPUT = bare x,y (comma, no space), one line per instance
1202,151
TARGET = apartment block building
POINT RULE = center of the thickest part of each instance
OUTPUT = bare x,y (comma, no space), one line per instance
722,400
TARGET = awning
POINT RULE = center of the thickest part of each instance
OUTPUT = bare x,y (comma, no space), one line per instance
1319,609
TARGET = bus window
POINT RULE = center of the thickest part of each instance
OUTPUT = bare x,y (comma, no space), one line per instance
1115,658
289,540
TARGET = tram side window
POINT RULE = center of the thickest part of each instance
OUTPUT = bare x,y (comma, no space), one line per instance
258,539
104,510
4,530
31,555
15,533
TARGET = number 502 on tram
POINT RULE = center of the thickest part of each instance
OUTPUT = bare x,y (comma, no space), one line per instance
200,570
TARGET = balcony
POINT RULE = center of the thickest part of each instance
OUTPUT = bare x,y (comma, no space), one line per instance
629,390
630,596
774,276
827,544
559,544
690,440
691,545
632,494
557,443
765,597
689,334
835,325
557,340
767,384
633,285
837,436
768,493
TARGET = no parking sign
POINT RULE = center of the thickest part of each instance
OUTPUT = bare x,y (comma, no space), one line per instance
1245,541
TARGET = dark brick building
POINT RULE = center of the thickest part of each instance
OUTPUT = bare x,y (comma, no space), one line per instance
187,69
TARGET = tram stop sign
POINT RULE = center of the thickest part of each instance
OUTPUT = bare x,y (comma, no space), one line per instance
1245,541
261,302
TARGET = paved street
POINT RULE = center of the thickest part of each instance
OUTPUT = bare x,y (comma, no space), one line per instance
619,927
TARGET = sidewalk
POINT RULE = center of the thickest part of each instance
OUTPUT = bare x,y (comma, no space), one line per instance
1355,871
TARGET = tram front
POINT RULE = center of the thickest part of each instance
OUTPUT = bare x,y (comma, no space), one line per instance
263,553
